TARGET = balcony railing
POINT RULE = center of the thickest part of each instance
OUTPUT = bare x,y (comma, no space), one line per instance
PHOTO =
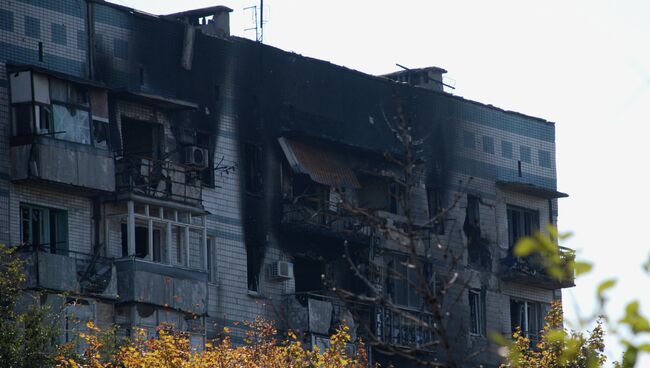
59,269
400,328
533,270
325,218
160,179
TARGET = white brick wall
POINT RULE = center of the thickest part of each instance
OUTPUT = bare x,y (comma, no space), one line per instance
78,209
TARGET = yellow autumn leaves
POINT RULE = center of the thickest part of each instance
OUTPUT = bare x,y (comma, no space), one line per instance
172,349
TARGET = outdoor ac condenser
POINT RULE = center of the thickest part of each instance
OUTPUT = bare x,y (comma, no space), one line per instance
281,270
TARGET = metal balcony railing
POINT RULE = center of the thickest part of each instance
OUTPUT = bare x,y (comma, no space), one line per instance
533,269
327,218
93,273
401,328
161,179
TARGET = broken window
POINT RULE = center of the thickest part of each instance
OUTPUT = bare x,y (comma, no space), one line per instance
254,257
45,228
478,253
476,312
71,124
48,106
436,209
253,168
521,222
141,138
529,316
308,274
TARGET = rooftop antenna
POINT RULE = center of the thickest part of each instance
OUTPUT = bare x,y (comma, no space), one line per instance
258,20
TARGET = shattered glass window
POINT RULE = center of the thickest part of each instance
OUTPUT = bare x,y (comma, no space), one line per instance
71,124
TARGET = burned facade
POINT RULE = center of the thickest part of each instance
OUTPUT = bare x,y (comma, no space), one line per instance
158,170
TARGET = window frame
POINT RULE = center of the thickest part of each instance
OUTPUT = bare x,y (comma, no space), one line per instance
46,215
521,228
541,310
414,301
477,320
74,97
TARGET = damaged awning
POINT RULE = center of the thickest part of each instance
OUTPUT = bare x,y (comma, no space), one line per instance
530,189
322,166
155,100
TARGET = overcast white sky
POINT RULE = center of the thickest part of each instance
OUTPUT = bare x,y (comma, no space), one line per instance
584,65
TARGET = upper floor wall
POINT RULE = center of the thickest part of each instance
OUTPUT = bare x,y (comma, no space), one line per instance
51,34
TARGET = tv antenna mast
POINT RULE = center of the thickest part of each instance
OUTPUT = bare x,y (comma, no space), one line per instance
258,20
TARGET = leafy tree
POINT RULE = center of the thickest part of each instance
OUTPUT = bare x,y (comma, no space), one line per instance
261,348
27,338
557,347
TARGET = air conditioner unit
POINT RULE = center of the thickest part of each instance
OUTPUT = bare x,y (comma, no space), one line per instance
196,156
281,270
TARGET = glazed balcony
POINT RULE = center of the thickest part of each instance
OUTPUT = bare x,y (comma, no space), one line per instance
50,160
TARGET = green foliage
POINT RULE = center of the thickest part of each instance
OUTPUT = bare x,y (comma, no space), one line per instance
27,337
557,347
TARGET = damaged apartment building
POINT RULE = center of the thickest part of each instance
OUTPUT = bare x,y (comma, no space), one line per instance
159,170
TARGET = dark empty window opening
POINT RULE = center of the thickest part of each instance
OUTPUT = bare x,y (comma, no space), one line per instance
141,241
519,168
40,52
307,274
141,138
436,210
521,222
478,253
254,257
253,169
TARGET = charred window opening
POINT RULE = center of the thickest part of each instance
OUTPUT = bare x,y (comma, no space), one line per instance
208,142
521,222
141,138
436,209
254,258
253,169
141,241
381,194
307,273
478,253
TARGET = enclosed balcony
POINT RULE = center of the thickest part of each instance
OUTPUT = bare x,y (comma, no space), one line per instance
532,270
59,130
164,180
64,270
